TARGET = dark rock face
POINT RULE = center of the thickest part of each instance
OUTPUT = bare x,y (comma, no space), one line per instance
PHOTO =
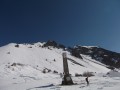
50,43
76,52
105,56
54,44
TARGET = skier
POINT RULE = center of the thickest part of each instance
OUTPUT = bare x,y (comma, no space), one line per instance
87,80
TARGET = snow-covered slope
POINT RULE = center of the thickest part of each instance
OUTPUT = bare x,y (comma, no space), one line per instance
29,62
40,58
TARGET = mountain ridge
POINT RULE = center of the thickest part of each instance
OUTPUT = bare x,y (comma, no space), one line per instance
41,56
110,58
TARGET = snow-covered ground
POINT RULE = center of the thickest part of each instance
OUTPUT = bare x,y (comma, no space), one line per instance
53,83
33,67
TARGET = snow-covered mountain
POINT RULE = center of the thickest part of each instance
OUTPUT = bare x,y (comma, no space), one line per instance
110,58
39,57
23,63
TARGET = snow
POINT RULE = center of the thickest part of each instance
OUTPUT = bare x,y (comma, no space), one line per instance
96,83
21,68
90,46
113,73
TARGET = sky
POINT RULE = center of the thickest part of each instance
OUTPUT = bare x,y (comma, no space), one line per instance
69,22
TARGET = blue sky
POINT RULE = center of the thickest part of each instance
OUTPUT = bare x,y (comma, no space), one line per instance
70,22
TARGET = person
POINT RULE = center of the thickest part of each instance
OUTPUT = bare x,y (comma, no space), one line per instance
87,80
